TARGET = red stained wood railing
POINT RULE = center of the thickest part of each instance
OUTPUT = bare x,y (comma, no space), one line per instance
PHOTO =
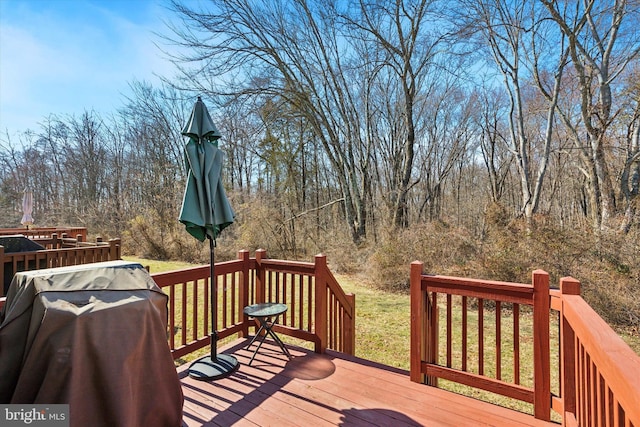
426,340
599,380
84,253
319,311
600,374
189,310
36,233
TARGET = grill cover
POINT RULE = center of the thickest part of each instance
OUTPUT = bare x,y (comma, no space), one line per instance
17,243
93,336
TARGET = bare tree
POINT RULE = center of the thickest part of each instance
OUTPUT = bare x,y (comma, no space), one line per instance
445,132
603,38
630,175
493,147
85,160
290,50
403,30
519,42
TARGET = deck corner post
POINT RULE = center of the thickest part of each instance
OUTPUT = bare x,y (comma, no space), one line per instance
568,286
321,303
541,346
418,332
244,256
259,291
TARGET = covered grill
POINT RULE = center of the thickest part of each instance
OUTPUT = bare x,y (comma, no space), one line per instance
92,336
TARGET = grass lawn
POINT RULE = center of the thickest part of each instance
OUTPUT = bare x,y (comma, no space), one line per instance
159,266
382,323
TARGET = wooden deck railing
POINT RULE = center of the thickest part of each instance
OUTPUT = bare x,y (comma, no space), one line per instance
600,379
598,383
46,232
60,256
59,241
319,311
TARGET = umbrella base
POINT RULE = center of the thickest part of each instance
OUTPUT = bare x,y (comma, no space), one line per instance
206,369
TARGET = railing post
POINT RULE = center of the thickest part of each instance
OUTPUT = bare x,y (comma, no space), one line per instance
349,330
541,351
418,311
260,294
54,241
568,286
114,249
2,270
320,303
244,290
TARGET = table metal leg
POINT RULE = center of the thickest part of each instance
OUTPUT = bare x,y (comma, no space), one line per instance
279,341
266,325
256,335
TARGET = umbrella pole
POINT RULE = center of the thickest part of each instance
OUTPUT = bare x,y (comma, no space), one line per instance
213,298
216,366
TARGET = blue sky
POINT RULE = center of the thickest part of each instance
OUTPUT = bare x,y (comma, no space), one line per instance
63,57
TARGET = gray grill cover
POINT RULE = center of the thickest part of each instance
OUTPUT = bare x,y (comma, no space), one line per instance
93,336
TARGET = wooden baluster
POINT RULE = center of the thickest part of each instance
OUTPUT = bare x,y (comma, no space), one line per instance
498,341
449,331
516,343
244,290
465,334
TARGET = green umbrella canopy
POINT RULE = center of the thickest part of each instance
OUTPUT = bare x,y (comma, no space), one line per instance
205,209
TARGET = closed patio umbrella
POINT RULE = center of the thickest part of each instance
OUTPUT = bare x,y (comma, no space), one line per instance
27,208
205,213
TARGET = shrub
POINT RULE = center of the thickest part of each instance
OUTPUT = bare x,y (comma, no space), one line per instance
442,250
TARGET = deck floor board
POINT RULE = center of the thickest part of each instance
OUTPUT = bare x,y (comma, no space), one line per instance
328,390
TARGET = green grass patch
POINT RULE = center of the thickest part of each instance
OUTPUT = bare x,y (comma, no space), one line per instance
155,266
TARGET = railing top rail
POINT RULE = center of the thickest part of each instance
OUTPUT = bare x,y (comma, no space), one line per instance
288,266
436,278
167,278
340,294
615,360
43,231
491,289
52,251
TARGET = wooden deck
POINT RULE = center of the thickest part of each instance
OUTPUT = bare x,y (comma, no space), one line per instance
328,390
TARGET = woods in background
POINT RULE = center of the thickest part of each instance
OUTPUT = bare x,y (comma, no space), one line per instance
347,123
